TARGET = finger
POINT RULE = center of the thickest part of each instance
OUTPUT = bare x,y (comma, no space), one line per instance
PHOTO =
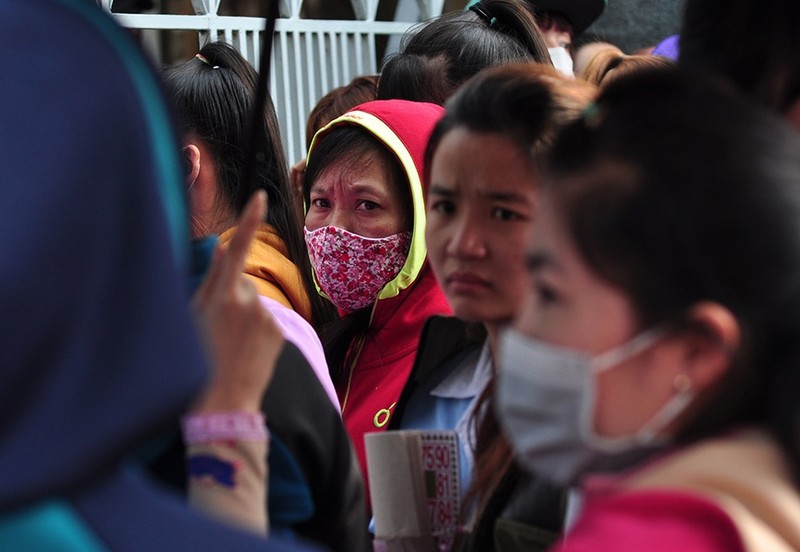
232,263
297,174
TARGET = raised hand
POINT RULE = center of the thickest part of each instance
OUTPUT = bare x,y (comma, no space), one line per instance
240,336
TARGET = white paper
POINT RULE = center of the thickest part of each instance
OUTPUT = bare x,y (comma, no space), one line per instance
414,488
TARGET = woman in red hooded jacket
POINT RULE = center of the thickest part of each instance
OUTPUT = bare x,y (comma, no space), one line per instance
365,231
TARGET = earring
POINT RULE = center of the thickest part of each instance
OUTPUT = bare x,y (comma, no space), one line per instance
682,383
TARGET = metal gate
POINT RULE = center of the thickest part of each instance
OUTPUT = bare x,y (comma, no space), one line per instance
310,57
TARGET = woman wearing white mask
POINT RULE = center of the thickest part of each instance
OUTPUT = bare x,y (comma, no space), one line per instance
656,358
559,22
445,52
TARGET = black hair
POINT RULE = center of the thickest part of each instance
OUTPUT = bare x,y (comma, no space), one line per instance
214,95
350,145
341,99
439,56
751,42
676,191
526,102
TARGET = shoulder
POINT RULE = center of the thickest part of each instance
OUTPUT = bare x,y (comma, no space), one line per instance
653,520
299,332
442,339
294,327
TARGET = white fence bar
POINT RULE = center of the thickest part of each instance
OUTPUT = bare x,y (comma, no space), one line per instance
310,57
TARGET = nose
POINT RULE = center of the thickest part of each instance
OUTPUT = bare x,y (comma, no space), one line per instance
467,241
340,218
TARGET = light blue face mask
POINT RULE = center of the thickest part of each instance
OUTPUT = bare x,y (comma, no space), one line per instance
545,403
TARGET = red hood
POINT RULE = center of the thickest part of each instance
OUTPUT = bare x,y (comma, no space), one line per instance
404,127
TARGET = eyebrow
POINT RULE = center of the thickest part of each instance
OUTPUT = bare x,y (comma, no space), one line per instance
358,188
506,197
361,188
441,190
317,186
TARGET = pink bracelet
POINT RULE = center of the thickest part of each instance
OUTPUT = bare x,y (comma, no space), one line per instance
224,426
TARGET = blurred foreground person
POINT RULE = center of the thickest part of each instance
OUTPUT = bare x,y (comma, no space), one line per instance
655,360
751,43
100,359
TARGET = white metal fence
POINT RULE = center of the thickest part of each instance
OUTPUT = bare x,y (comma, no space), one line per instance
310,57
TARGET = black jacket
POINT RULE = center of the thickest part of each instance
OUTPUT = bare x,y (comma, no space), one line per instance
300,414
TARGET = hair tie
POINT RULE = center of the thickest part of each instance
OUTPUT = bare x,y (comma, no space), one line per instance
479,9
593,115
203,58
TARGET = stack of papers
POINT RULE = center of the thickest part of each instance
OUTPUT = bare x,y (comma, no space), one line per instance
414,487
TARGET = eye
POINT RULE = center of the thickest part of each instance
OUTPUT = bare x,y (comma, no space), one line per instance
545,295
500,213
320,203
444,207
367,205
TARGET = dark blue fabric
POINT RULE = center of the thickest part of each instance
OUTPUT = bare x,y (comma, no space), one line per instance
202,254
97,347
129,514
289,499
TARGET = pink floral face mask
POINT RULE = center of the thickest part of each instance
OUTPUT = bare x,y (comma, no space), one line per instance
352,269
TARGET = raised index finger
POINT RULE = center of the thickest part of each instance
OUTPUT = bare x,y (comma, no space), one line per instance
232,262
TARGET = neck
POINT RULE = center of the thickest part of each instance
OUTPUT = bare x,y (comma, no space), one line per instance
204,224
493,335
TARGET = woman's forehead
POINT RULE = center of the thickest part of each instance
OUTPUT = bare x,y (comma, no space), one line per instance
363,173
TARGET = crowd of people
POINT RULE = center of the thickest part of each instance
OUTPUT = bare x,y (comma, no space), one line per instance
582,262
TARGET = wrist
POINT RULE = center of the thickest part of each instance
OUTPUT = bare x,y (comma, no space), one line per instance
220,397
206,427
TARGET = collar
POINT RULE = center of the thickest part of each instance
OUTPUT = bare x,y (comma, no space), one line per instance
468,379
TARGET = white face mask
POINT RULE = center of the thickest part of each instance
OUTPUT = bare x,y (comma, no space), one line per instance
545,404
562,60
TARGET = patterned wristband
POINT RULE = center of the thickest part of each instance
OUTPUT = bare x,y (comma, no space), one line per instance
223,426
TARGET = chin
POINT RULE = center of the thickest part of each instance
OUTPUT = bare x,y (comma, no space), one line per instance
469,313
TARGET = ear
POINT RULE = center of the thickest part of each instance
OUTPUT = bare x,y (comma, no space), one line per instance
202,189
713,335
793,114
191,158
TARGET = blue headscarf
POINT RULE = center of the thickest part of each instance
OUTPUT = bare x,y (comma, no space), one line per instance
97,348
